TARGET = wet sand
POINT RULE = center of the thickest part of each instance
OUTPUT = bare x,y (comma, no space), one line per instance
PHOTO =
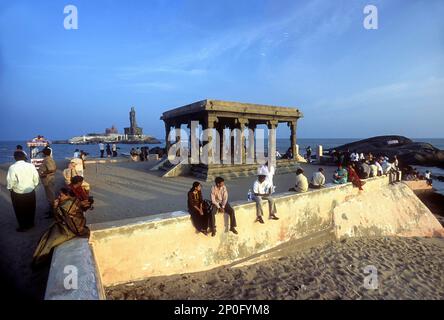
407,268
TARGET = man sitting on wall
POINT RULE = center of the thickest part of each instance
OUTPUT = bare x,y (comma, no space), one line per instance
262,191
301,184
317,179
219,199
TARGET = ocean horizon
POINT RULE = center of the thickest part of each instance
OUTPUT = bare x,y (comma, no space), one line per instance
62,151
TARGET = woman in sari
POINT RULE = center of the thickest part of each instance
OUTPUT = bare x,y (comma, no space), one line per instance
340,176
77,188
69,223
196,208
354,178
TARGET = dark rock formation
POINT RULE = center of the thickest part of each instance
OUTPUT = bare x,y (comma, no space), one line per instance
408,152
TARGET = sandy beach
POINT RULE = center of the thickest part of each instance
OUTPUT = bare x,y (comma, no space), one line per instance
407,268
129,190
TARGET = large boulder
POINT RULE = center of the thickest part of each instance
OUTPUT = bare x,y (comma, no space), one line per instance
408,152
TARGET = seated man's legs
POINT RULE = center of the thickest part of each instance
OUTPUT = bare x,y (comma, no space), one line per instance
259,209
271,205
212,219
230,211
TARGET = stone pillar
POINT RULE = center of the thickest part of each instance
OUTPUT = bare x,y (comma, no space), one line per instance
224,156
241,124
167,136
272,125
320,153
210,127
251,157
194,142
294,150
178,132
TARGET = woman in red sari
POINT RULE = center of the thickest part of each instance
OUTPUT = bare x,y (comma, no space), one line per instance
80,193
354,178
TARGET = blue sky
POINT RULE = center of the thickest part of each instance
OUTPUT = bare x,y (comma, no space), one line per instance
158,54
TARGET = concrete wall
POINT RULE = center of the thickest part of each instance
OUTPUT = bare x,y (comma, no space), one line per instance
74,274
167,244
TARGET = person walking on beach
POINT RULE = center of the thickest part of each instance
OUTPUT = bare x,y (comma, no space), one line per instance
108,150
301,184
317,179
47,172
21,181
262,191
196,208
102,149
219,199
309,151
114,148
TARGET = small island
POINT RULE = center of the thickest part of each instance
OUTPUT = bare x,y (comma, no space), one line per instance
132,135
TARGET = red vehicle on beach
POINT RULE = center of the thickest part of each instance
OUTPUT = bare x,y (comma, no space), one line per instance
34,152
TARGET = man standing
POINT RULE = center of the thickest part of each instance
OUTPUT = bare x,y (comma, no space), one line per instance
114,150
22,179
219,199
262,191
108,150
47,172
102,149
308,150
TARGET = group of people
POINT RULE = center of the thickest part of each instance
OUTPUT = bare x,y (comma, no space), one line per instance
203,212
140,154
412,174
111,150
67,208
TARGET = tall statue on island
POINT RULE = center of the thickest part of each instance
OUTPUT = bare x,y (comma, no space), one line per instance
133,131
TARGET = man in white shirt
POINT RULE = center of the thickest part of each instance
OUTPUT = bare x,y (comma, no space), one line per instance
76,154
380,170
268,172
301,184
317,179
262,191
21,180
102,149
